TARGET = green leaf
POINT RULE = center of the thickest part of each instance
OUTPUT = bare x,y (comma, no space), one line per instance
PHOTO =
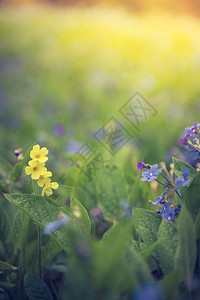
5,266
147,224
42,211
168,242
4,225
185,257
197,225
170,284
24,233
19,166
17,224
179,165
36,289
191,197
7,285
147,252
84,218
111,189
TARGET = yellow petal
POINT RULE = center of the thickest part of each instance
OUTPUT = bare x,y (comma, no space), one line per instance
44,151
54,185
49,192
35,175
40,182
47,182
48,174
42,159
28,170
42,171
36,148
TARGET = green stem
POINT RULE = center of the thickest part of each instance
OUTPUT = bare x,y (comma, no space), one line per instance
39,239
162,183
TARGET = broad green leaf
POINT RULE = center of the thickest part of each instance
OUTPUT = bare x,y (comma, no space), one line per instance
147,224
191,196
185,257
4,225
168,242
170,284
197,224
17,224
111,189
42,211
179,167
84,217
19,166
147,252
36,289
5,266
24,233
5,168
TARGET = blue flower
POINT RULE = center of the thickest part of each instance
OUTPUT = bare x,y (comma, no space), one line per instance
167,212
178,209
56,225
140,165
151,175
161,198
192,129
182,181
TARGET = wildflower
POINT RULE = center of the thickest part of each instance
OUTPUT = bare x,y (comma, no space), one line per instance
43,178
39,154
140,165
35,169
127,209
161,198
167,212
182,181
184,141
59,129
193,129
177,209
47,189
56,225
151,175
194,146
97,213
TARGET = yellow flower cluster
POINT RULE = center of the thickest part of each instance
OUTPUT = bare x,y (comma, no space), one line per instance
39,172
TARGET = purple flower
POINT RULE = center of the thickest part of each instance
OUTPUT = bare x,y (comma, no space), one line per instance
140,165
127,209
184,141
192,129
167,212
178,208
56,225
97,213
182,181
151,175
148,291
161,198
59,129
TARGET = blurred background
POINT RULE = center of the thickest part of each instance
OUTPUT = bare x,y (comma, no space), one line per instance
66,67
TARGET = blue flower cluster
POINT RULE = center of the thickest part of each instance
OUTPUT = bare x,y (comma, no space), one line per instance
191,141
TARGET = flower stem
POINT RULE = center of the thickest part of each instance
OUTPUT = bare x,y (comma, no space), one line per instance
39,239
162,183
172,186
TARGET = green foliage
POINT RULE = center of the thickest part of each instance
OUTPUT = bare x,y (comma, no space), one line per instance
179,167
168,241
4,225
185,257
111,190
36,289
191,197
5,266
41,210
147,225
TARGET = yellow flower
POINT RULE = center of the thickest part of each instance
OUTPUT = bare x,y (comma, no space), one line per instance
35,169
43,178
47,189
39,154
